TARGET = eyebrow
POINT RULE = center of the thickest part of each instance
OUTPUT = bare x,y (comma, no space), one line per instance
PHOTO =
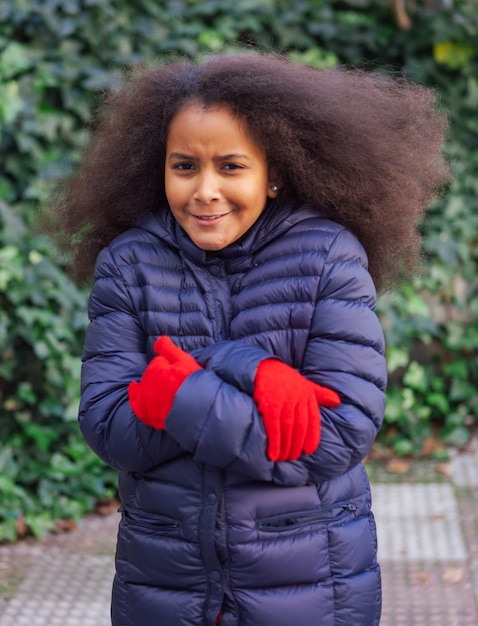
225,157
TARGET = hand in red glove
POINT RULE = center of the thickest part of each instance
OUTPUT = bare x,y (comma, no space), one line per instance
151,399
289,405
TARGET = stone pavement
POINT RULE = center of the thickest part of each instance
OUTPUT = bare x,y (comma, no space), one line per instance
428,535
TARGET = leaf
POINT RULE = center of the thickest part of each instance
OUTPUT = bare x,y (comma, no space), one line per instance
398,466
422,578
8,530
453,54
21,527
11,102
415,377
456,436
15,58
397,358
39,523
453,575
445,469
439,401
43,436
403,446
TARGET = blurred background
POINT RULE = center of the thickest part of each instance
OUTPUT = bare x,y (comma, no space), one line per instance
57,57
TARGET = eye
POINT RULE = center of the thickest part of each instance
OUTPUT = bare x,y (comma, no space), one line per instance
183,167
231,167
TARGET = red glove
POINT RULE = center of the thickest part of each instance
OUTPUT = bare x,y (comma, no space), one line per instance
151,399
289,405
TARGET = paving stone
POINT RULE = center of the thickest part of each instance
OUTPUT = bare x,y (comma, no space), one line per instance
465,467
63,590
418,521
424,593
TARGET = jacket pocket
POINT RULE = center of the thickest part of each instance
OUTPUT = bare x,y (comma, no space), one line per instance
148,522
289,521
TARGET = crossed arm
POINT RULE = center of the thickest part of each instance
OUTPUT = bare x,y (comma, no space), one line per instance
224,404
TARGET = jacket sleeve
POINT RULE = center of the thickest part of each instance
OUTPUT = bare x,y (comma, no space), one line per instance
214,419
115,354
344,351
213,415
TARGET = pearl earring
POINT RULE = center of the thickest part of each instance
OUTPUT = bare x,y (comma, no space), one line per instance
274,188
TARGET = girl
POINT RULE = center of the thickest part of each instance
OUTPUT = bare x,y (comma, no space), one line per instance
233,369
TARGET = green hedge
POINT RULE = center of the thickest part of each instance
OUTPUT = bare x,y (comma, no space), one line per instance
56,57
46,471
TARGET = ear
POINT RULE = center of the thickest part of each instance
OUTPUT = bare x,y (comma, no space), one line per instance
272,189
273,184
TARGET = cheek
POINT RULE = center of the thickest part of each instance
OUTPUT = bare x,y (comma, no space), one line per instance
167,186
252,194
174,192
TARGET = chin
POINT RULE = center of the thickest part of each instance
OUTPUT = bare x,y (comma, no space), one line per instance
211,246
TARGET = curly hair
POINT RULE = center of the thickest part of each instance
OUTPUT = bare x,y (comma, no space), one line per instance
363,146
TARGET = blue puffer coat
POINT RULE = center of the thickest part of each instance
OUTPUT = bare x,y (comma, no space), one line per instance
209,524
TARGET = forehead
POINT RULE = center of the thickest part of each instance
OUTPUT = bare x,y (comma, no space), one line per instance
196,122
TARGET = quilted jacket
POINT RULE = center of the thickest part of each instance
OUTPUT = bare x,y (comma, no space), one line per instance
211,530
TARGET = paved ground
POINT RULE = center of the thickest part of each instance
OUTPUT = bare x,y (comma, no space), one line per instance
427,520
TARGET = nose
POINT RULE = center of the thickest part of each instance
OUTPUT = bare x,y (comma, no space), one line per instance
207,189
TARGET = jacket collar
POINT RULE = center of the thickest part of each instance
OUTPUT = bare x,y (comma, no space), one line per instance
276,219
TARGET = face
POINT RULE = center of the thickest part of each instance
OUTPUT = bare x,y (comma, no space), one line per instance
216,177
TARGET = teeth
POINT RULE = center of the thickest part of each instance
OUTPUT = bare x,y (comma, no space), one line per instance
209,217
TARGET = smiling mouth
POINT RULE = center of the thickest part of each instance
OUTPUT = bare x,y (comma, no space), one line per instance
211,218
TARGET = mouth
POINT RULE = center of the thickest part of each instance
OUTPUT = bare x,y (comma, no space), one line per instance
210,218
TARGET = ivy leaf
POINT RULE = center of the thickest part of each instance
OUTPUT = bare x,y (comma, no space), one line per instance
453,54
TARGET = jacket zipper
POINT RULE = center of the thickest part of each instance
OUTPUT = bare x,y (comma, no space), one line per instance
289,521
148,520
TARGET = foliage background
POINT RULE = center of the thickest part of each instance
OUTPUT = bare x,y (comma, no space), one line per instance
56,58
